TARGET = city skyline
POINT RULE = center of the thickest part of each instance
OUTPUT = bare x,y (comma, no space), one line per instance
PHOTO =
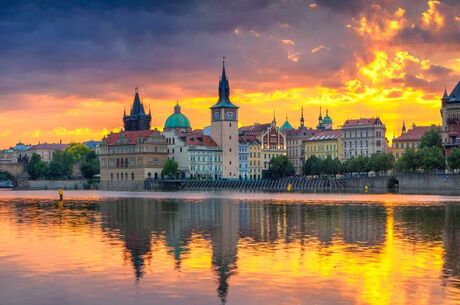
72,71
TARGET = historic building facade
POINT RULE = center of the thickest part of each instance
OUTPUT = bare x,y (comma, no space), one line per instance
409,139
243,157
129,157
178,122
224,128
450,114
325,143
363,137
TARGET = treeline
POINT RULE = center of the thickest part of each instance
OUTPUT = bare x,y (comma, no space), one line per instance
429,157
63,163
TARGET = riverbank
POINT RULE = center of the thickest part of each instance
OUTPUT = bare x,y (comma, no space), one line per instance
333,198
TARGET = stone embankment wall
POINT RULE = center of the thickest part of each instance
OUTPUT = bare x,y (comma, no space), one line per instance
56,184
408,183
122,185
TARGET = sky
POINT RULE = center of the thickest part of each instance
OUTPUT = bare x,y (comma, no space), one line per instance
69,68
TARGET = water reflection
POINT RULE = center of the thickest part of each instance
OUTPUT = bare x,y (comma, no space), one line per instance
253,252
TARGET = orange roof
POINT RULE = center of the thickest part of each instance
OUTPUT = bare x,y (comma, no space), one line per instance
200,140
414,134
131,136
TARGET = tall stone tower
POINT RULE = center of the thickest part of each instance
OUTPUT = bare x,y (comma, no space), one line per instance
224,128
137,119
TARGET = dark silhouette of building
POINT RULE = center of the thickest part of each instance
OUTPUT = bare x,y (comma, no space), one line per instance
137,119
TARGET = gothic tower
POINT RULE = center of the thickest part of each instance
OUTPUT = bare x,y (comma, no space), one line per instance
137,119
224,128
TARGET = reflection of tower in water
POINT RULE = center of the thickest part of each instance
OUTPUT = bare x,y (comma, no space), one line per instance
452,244
224,244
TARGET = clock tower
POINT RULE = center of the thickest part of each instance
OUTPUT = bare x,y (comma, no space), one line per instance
224,128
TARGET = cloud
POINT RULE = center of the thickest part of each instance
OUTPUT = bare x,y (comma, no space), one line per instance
319,49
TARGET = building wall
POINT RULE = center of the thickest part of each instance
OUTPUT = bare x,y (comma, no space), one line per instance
225,133
450,131
178,151
363,140
400,147
205,162
255,160
324,148
243,157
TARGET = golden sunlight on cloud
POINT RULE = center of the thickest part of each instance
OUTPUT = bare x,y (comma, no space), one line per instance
319,49
432,18
381,25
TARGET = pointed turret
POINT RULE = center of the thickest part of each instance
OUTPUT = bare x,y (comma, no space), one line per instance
274,118
137,119
224,91
445,96
403,129
302,120
286,125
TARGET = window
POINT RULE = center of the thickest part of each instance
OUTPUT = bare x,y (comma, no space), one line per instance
111,176
132,176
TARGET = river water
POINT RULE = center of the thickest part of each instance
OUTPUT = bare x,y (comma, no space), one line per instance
232,248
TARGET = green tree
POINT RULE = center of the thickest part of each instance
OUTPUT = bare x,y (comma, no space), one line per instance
431,138
61,165
312,166
356,165
330,166
454,159
170,169
36,168
77,151
89,165
280,167
432,158
380,162
409,162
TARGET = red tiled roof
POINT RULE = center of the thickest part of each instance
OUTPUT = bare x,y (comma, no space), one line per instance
254,128
414,134
131,136
201,140
326,135
248,139
46,146
362,121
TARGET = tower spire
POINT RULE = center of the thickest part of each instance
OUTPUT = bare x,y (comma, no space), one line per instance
302,120
403,129
274,118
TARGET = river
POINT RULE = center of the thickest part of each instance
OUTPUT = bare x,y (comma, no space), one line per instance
228,248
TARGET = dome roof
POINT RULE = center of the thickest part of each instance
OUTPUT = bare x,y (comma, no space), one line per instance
327,119
177,120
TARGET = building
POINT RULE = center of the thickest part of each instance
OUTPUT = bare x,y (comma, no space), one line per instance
129,157
324,123
363,137
197,155
178,122
205,157
45,150
254,158
295,146
224,128
243,157
409,139
272,140
137,119
450,114
286,126
15,154
325,143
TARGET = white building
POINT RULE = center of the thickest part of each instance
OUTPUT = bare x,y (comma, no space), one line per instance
363,137
243,157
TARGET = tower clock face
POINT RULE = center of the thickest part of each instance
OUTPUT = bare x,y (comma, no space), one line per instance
229,115
216,115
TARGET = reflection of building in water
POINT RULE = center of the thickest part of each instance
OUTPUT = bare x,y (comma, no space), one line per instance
134,221
452,244
364,225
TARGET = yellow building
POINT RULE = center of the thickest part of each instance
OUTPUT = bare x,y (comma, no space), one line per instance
325,143
254,159
409,139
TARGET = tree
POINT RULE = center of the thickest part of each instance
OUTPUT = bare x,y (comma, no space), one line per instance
356,165
330,166
37,168
380,162
61,165
431,138
409,162
169,169
89,165
312,166
432,158
280,167
454,159
77,151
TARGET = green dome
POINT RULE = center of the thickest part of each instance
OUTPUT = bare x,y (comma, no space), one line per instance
177,120
327,119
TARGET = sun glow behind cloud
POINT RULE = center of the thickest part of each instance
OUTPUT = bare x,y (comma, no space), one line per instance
391,61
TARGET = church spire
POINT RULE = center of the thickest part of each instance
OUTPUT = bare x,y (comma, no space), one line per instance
302,120
403,129
224,90
274,118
